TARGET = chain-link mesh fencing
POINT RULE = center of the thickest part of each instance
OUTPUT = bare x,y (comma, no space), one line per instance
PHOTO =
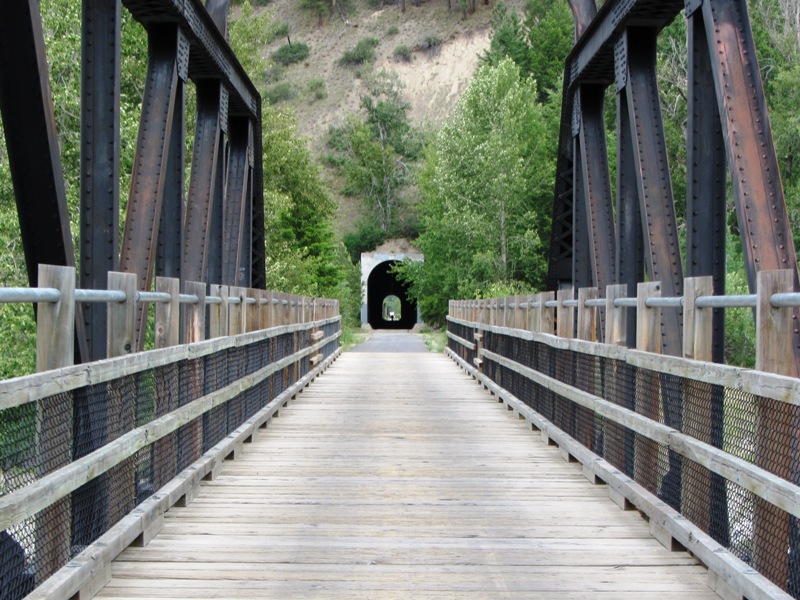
761,431
39,437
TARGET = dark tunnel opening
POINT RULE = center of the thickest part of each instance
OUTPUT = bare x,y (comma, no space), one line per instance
387,305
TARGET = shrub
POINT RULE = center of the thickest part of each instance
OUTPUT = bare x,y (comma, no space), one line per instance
366,238
280,93
291,53
431,41
363,52
278,30
403,53
316,87
393,30
273,73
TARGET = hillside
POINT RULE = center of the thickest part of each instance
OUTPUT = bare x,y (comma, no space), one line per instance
444,44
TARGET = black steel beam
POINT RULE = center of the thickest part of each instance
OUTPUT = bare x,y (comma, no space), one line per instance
236,205
170,230
630,240
258,270
653,180
216,231
599,208
199,207
706,178
583,11
100,147
148,181
211,57
560,267
757,189
592,59
581,238
32,140
218,11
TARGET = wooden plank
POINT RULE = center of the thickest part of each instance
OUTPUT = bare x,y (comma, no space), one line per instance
25,502
566,315
762,483
168,314
776,433
55,343
377,484
218,313
728,571
122,316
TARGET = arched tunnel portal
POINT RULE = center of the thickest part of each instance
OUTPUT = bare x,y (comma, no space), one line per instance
387,304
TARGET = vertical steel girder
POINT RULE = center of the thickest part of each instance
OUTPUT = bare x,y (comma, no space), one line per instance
32,140
706,178
170,230
237,206
149,178
760,205
583,11
218,11
258,268
598,206
630,240
581,243
199,208
216,231
560,267
100,147
653,179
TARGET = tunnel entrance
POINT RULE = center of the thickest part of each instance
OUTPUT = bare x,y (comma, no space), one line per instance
387,305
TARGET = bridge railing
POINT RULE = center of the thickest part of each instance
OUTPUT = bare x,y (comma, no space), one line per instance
710,453
92,455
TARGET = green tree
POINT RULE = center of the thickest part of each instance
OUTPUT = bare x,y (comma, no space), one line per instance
486,194
538,42
376,155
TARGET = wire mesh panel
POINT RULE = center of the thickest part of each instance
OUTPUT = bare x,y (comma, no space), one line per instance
761,431
45,435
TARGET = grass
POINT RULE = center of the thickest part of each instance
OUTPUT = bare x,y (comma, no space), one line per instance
291,53
352,337
316,87
363,52
280,92
403,53
435,339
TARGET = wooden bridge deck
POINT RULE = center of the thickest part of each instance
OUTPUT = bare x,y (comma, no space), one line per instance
396,476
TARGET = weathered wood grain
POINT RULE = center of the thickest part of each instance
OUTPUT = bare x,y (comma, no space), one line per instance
395,476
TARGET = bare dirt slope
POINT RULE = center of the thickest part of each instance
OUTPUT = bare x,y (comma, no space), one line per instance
434,79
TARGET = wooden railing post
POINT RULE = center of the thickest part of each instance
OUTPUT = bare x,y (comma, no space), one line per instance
165,450
696,493
565,315
194,315
587,315
55,343
219,317
121,409
236,312
547,321
194,330
775,433
122,316
587,330
253,311
617,439
616,332
648,339
168,314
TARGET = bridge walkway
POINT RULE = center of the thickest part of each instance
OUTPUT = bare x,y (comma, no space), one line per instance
395,476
